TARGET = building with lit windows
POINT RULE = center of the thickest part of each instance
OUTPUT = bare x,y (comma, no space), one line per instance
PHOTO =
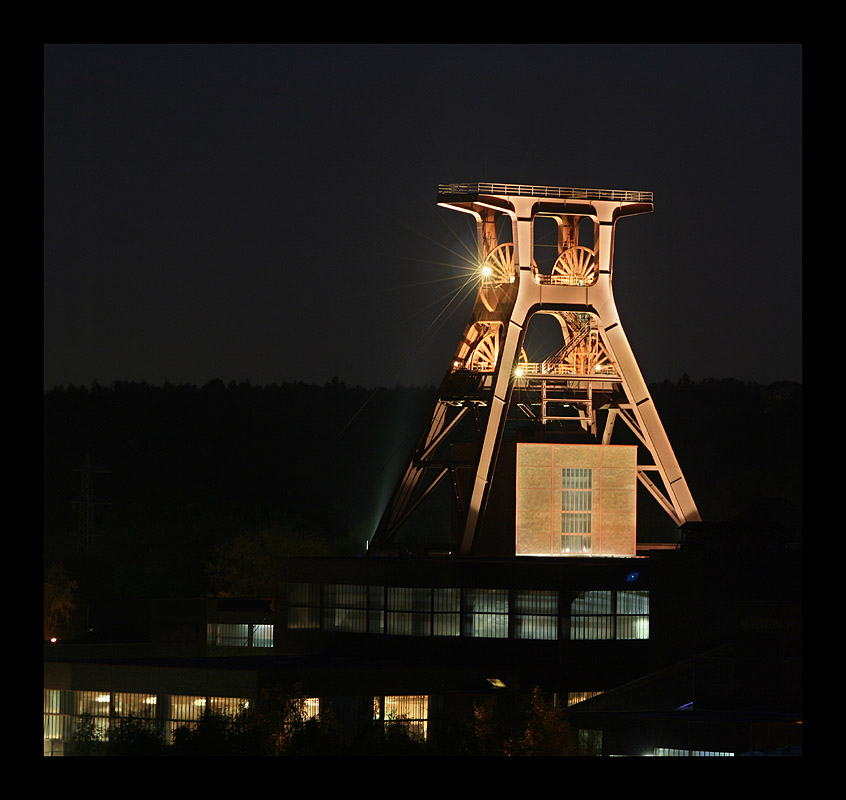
651,655
494,611
540,578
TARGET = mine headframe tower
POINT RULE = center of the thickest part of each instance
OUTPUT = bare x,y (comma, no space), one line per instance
491,378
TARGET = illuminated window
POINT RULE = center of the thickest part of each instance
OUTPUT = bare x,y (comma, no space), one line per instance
577,697
53,701
186,709
228,634
446,616
262,636
674,751
610,615
633,615
223,634
410,611
410,711
135,705
98,706
576,509
486,613
535,614
232,707
95,703
305,709
63,710
591,615
427,611
58,720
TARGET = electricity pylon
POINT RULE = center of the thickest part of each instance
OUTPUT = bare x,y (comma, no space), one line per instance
491,377
85,532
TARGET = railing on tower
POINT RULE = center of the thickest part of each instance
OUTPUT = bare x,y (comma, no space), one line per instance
526,190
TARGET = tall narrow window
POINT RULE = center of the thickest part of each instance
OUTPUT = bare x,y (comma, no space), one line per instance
376,612
262,636
576,509
58,720
446,612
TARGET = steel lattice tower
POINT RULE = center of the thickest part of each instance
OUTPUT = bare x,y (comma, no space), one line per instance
491,378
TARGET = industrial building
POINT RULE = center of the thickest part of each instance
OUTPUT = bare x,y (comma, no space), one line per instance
543,578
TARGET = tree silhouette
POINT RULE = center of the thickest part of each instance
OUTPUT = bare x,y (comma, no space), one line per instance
512,723
245,566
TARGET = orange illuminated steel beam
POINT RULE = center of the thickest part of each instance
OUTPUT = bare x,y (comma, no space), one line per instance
596,359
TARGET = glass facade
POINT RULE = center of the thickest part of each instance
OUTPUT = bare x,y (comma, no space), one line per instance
65,708
486,613
470,612
535,614
410,611
345,608
140,706
609,614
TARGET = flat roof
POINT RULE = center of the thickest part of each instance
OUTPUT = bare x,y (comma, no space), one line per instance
515,572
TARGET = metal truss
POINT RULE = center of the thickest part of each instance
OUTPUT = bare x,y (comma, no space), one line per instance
491,378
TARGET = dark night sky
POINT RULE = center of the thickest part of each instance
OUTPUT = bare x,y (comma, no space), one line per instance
268,212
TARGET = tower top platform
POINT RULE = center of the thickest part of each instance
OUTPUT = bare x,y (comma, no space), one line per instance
469,191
